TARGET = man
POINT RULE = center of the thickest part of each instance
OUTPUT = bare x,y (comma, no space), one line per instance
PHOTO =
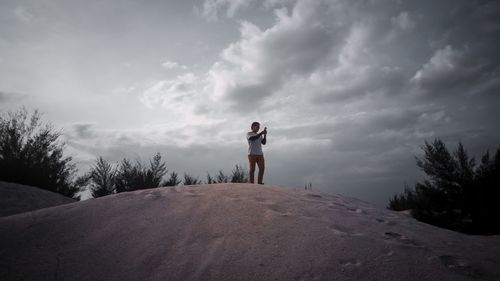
255,154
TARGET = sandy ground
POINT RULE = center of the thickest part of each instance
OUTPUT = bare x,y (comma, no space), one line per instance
236,232
17,198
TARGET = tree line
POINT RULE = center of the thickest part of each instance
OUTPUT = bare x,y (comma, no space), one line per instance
105,178
31,153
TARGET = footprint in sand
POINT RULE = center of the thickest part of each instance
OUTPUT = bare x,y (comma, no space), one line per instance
459,265
401,238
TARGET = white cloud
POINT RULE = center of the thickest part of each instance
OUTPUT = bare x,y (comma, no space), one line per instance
171,94
185,108
173,65
450,68
442,63
329,59
256,65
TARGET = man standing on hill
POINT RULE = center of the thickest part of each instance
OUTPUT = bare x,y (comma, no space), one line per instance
255,154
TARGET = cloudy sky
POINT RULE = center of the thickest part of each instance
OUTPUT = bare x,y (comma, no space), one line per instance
349,90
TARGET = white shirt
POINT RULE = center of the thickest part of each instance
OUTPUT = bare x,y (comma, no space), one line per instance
254,147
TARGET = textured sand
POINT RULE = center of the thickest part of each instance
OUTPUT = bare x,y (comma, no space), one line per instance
236,232
17,198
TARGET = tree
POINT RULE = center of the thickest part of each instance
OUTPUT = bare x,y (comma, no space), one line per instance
101,178
239,175
132,177
210,179
457,193
486,210
153,175
173,180
129,176
221,177
190,180
31,154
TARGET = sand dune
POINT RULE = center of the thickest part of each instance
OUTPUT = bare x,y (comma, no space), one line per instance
236,232
17,198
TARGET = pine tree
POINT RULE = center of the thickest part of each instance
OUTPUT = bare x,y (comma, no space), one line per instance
190,180
101,179
173,180
153,175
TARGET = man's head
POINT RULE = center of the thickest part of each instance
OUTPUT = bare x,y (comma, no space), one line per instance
255,127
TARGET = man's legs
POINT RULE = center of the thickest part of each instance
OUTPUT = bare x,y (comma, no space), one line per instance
262,166
251,161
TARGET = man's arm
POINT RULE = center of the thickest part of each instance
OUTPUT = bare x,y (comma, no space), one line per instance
263,141
256,137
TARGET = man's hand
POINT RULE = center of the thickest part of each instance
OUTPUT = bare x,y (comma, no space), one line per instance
264,132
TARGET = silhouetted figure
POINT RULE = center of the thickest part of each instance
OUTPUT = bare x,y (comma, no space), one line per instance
255,154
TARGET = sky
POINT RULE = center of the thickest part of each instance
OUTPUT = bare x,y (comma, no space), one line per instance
349,90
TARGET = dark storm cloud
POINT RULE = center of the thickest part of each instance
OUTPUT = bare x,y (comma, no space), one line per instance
349,49
465,47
